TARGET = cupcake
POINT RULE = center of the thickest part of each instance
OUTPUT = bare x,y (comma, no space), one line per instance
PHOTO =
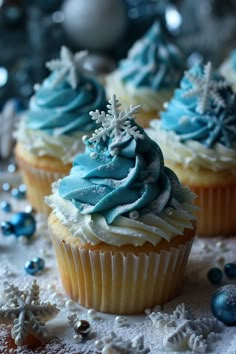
148,75
198,138
50,134
121,224
228,69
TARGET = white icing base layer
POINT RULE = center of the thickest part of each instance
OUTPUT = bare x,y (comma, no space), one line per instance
228,72
192,153
197,292
39,143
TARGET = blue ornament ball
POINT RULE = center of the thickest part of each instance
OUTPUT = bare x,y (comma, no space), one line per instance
40,262
31,267
230,270
223,304
215,275
6,206
24,224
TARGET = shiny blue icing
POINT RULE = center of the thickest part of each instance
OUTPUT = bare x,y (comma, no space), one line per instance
61,109
152,62
216,124
134,180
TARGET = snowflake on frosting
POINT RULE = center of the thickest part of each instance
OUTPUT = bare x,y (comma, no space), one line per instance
116,124
24,309
187,332
67,67
205,89
112,344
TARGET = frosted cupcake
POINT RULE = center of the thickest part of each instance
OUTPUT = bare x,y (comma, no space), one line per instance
148,75
50,135
228,69
198,138
121,223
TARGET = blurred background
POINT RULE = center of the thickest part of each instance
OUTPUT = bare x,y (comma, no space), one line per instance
31,32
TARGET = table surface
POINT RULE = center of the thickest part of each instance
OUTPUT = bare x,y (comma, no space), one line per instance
196,293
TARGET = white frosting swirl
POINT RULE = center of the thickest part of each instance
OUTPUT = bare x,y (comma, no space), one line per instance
147,98
39,143
93,228
229,73
191,153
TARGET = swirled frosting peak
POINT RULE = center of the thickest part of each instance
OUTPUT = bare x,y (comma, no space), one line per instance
61,105
122,171
152,62
202,109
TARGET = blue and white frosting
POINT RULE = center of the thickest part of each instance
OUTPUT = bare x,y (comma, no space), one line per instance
203,109
122,174
153,62
228,69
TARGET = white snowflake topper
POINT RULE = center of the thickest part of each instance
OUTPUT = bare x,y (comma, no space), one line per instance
112,344
205,89
187,332
116,124
28,315
67,67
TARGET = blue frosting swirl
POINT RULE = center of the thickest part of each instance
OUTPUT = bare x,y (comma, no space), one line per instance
152,62
62,109
133,181
233,59
216,121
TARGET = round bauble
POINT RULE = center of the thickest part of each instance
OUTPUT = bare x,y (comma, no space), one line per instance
223,304
94,25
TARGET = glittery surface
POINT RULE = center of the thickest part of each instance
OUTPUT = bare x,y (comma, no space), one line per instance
197,292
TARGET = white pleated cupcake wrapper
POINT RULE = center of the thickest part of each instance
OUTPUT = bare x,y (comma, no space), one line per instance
38,183
119,283
217,211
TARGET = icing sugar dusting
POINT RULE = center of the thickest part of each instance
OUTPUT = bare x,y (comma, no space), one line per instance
197,293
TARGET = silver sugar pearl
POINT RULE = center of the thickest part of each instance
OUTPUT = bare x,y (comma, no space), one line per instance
85,139
121,321
11,168
6,187
70,304
92,314
134,214
82,327
78,338
93,155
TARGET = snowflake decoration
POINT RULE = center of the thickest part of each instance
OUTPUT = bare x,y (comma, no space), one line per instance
112,344
116,124
24,309
67,67
187,332
205,89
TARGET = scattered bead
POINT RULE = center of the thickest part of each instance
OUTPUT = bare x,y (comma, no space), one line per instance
7,228
6,187
82,327
147,311
70,304
31,267
121,321
17,193
230,270
78,338
215,275
6,206
223,304
40,262
28,209
92,314
51,287
21,224
11,168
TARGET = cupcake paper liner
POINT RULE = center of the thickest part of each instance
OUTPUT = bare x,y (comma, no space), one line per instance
117,282
217,210
38,184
